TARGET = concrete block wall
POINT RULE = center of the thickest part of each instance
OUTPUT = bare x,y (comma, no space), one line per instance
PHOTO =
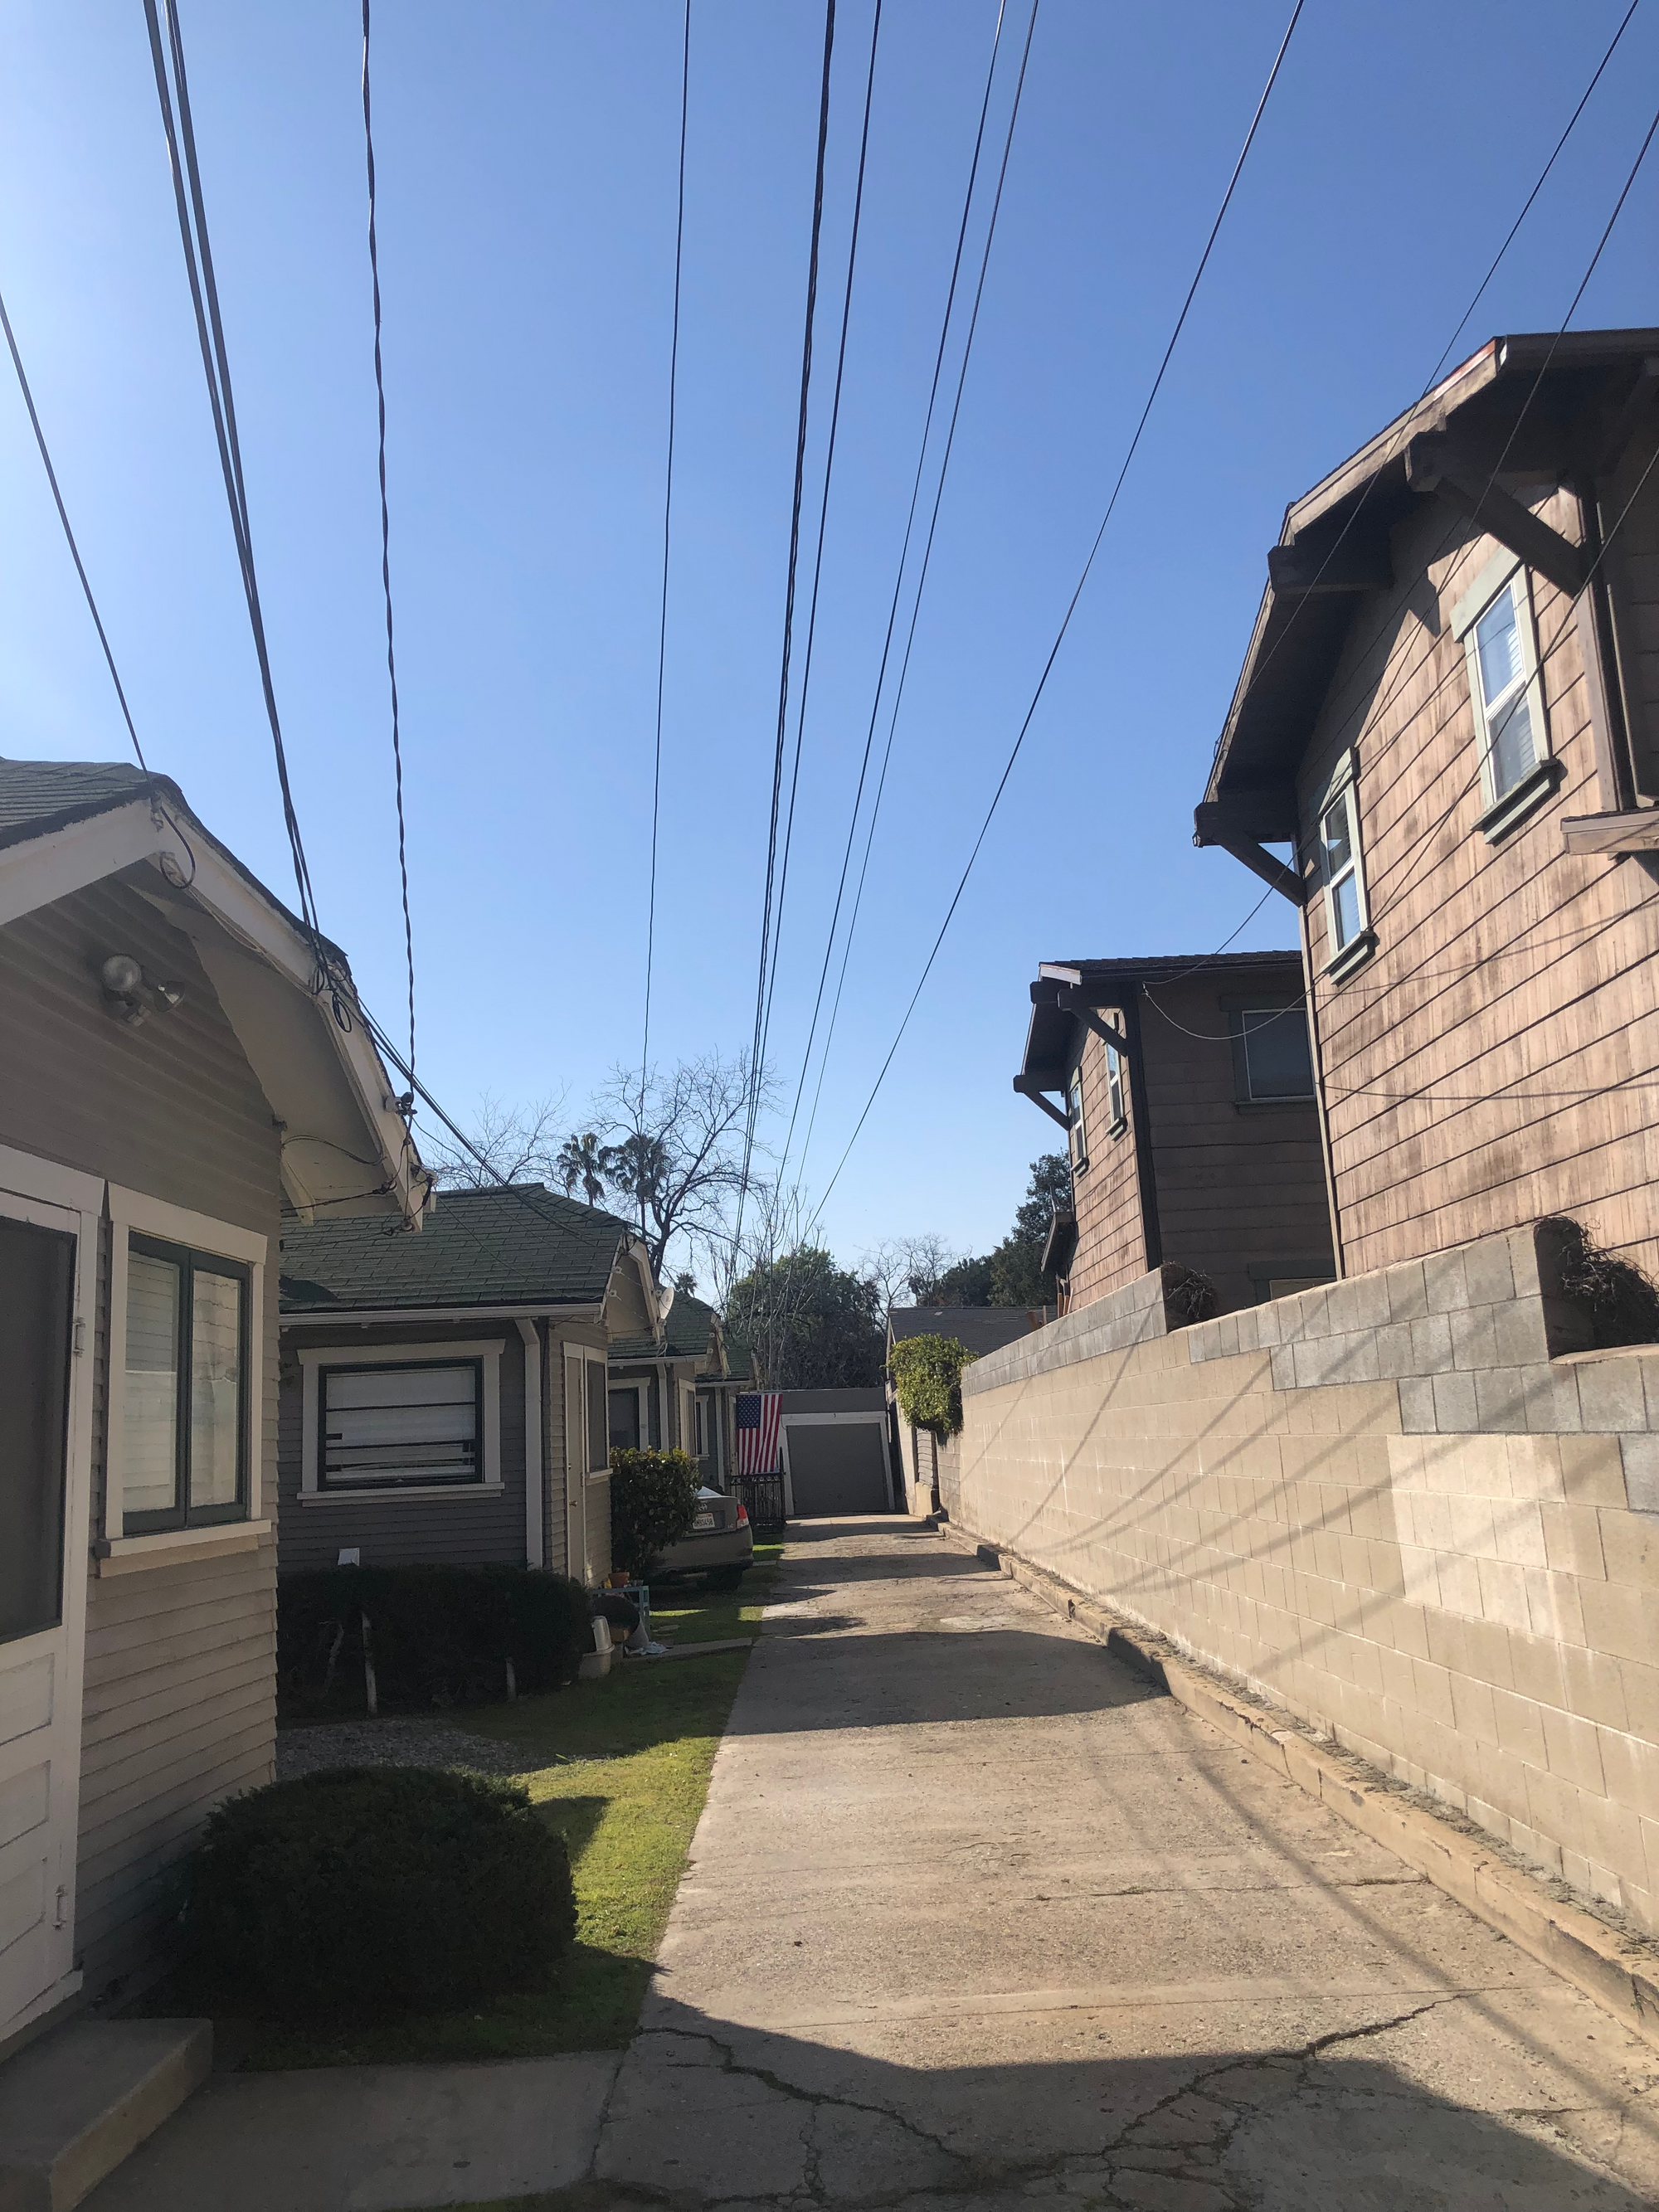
1401,1506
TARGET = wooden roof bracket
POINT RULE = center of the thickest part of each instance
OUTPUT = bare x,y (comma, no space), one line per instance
1077,1002
1239,822
1026,1085
1434,464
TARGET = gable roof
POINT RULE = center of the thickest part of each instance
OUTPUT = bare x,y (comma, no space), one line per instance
979,1329
1050,1040
1541,403
37,796
521,1246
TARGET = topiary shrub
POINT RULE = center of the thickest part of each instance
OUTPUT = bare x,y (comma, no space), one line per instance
654,1502
927,1372
437,1636
376,1890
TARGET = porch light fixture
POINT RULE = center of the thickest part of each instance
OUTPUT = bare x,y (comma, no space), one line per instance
130,995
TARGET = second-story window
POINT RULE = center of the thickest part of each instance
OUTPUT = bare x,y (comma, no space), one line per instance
1345,917
1504,682
1115,1088
1077,1129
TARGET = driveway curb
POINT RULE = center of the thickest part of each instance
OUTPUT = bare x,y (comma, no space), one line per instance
1620,1974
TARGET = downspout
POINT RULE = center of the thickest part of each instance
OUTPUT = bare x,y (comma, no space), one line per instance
535,1474
1151,1234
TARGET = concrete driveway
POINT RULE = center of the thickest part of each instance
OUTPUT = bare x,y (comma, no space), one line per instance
974,1916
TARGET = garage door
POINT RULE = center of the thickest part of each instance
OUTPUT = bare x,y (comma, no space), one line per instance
837,1468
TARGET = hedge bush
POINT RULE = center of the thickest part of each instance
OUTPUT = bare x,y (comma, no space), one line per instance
376,1890
654,1502
437,1636
927,1372
1620,1299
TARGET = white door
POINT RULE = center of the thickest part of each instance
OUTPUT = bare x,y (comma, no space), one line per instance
47,1268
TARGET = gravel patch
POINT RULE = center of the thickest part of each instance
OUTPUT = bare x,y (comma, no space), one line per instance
416,1742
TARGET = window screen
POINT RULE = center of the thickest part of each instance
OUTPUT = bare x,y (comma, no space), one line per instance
36,1283
598,1419
625,1420
184,1400
1277,1061
394,1427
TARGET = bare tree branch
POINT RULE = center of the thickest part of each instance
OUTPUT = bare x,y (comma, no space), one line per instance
520,1144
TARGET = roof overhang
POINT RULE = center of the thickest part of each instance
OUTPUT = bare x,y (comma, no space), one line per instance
344,1143
1551,406
367,1317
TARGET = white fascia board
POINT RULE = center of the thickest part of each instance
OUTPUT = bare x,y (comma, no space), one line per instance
33,874
378,1316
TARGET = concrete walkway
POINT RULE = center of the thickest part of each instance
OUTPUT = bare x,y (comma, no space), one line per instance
974,1917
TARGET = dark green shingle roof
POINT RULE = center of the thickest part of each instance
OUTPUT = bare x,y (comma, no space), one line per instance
522,1246
37,796
688,1333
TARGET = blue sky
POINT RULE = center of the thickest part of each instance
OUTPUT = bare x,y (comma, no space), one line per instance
526,167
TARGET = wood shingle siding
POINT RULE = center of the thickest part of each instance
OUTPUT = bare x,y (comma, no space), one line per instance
1497,1058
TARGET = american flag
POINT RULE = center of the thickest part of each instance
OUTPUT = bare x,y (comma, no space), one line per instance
758,1431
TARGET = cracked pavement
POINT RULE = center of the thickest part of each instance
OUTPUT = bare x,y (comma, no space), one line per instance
974,1917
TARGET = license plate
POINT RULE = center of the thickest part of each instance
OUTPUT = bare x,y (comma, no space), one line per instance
703,1521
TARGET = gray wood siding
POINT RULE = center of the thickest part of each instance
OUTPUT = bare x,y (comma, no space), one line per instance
450,1530
1498,1057
180,1700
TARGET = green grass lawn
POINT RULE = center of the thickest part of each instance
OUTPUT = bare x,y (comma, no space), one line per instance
620,1768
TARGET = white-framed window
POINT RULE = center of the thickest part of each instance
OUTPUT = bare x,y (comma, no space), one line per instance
1271,1055
1077,1129
1501,646
185,1363
1342,868
1117,1090
626,1402
400,1421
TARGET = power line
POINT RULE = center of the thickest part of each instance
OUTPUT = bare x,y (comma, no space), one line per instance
789,610
667,518
823,510
204,298
386,545
75,551
1066,622
915,609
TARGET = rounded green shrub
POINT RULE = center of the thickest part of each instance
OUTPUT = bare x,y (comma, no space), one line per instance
654,1502
927,1372
374,1890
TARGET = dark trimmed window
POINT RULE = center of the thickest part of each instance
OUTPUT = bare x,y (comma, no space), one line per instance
185,1440
1077,1128
416,1424
1272,1061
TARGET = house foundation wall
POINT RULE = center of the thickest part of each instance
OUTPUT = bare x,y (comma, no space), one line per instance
1401,1506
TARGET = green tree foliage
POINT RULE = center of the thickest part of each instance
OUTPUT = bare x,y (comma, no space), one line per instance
654,1502
808,1324
1012,1274
926,1373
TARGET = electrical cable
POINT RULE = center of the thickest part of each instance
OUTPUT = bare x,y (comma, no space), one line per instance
69,534
667,519
898,577
1077,594
386,544
823,510
198,266
754,1075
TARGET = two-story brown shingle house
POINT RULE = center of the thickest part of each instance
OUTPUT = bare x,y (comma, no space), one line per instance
1451,704
1190,1115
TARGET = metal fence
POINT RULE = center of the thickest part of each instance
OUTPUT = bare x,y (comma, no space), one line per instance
762,1494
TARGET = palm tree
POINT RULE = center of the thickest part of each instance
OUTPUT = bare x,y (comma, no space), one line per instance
584,1160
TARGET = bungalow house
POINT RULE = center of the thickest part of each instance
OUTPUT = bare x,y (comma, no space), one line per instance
1187,1101
930,1467
445,1397
662,1392
1450,711
182,1060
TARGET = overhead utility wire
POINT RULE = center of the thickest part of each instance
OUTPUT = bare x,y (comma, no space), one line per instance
667,522
915,613
823,510
1203,263
788,615
75,551
386,545
198,267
